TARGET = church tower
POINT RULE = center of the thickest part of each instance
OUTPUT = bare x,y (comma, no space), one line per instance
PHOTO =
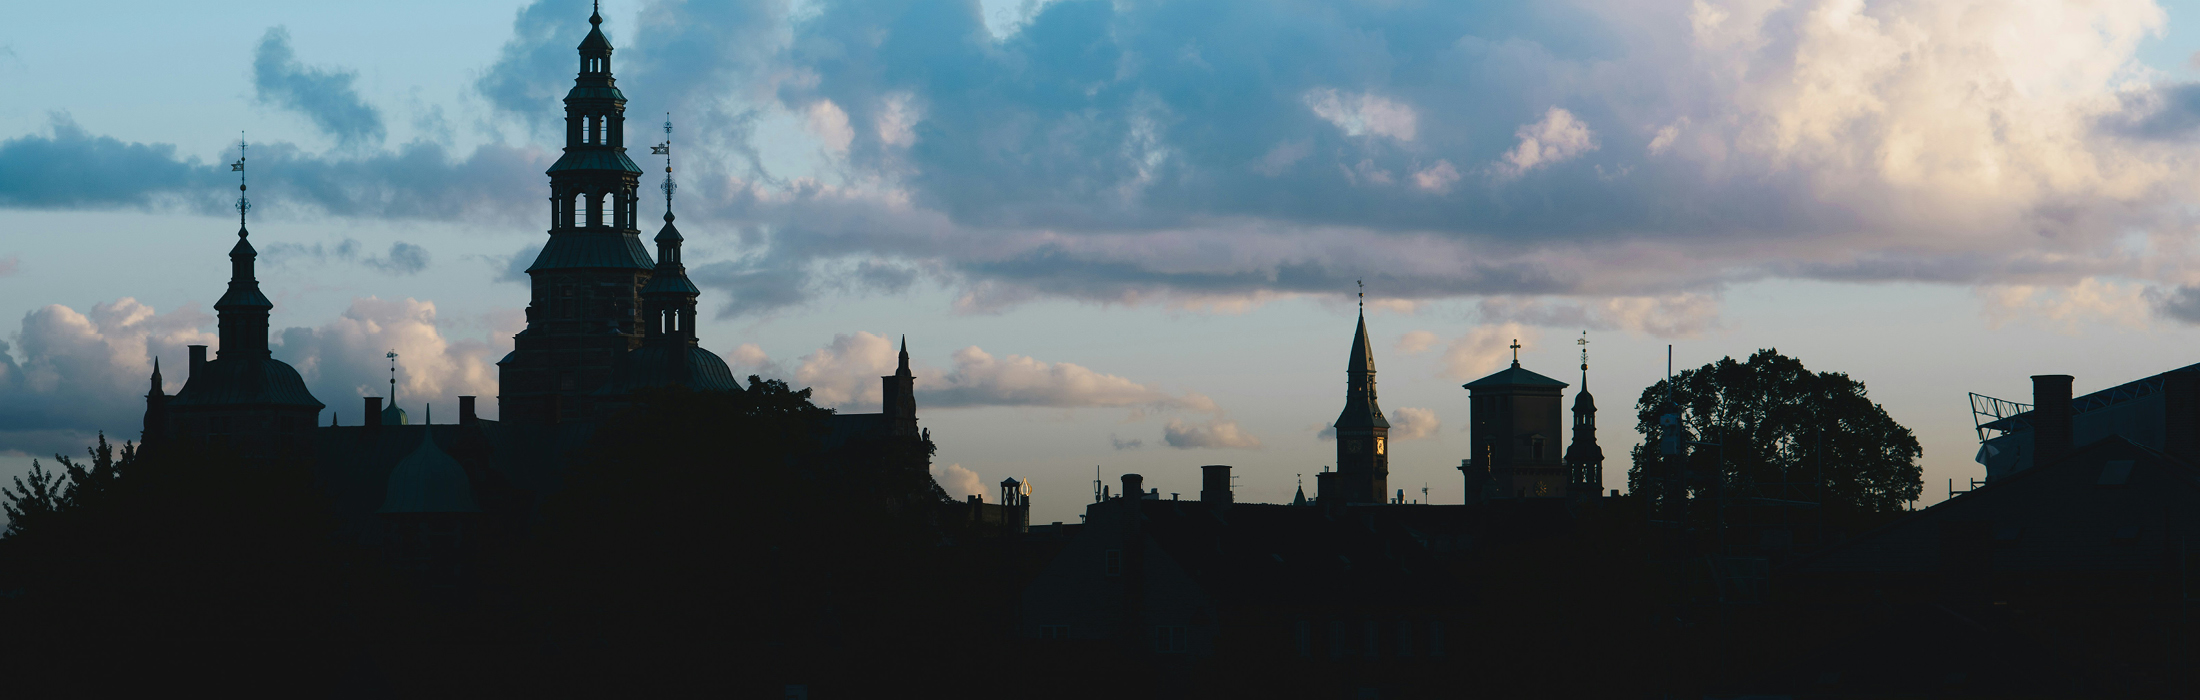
585,311
1363,435
1584,459
900,396
1514,432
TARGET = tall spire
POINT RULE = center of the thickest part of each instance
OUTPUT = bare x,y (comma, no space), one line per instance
903,370
1584,343
243,205
393,376
156,377
665,149
243,309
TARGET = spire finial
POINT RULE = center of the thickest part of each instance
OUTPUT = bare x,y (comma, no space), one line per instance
243,205
1363,294
1516,352
595,12
393,377
1584,343
665,149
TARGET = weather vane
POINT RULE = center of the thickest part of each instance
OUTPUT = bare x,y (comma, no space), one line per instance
665,149
243,205
1584,343
393,376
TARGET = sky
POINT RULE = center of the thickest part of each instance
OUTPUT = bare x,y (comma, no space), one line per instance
1125,236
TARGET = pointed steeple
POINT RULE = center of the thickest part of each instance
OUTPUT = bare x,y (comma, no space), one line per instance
1361,409
899,402
903,369
156,378
243,309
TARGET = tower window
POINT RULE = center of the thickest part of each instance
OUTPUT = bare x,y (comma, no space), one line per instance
1378,445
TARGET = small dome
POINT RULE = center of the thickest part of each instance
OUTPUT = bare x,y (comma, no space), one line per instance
393,415
1584,402
429,481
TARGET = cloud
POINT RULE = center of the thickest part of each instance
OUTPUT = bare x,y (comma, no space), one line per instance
72,374
1414,424
1486,349
1147,153
342,360
1122,444
1672,316
2181,303
1361,114
402,259
10,264
1559,137
846,373
980,379
68,168
1416,342
323,95
2067,309
1216,433
1436,178
957,481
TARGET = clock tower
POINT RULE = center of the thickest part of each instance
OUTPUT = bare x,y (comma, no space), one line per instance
1363,436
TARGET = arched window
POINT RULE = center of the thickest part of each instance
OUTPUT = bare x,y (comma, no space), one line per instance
573,210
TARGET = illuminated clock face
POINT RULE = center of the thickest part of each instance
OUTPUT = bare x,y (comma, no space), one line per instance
1378,445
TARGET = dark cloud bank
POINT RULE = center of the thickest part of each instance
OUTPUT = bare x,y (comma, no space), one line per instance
1186,151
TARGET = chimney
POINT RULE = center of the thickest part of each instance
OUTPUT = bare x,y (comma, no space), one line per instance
198,359
2181,415
1214,483
466,410
1134,490
2050,418
374,413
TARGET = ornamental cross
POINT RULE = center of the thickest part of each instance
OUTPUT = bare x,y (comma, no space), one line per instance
1516,351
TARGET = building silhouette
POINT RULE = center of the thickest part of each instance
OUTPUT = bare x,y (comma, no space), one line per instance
1514,432
604,321
1363,435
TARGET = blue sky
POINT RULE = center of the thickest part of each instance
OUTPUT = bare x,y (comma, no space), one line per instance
1124,234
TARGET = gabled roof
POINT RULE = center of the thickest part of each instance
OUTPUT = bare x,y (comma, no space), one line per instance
428,481
1514,376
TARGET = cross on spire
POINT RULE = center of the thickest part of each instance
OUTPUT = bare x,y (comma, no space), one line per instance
243,205
1516,352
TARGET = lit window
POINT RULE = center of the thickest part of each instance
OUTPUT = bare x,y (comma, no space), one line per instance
1378,445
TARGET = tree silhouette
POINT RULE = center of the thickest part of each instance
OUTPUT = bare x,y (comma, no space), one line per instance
1781,424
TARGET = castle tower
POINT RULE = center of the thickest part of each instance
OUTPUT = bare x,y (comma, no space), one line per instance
1514,432
584,313
1363,435
1584,459
670,354
244,400
900,396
